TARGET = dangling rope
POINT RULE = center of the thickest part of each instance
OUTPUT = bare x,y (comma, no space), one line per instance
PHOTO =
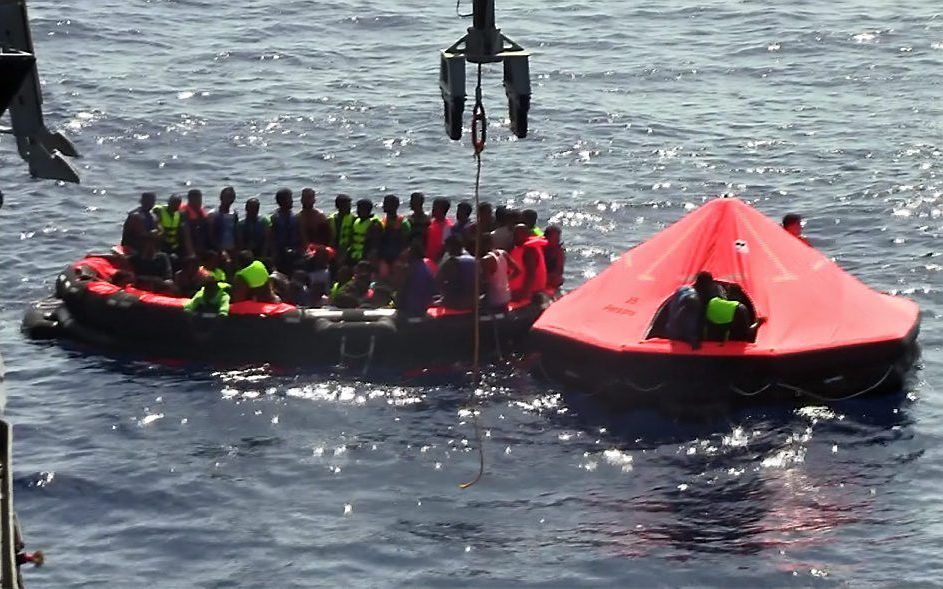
479,137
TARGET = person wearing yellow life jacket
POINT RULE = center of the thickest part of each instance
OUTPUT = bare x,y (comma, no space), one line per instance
212,298
528,254
170,221
529,218
341,223
728,319
252,281
364,233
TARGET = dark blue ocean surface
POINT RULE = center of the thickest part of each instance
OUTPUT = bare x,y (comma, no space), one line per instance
131,472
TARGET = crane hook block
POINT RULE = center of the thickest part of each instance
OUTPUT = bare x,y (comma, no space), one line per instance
484,43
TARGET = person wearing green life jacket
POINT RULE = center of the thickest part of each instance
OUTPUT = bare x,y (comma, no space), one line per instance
365,233
252,282
170,229
729,319
212,298
341,223
529,218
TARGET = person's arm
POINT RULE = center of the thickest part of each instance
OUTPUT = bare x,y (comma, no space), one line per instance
514,269
223,304
194,303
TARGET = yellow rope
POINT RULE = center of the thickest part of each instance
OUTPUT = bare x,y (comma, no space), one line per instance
476,353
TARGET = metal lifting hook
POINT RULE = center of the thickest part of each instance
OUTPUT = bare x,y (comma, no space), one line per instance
479,129
484,44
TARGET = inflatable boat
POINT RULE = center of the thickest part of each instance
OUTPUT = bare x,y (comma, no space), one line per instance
90,309
826,334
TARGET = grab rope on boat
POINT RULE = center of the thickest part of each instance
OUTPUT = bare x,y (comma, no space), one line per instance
479,137
816,396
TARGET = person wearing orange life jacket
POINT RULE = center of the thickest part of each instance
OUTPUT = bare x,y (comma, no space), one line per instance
528,254
196,222
438,230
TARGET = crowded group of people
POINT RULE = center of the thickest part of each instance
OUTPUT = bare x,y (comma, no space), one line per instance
350,258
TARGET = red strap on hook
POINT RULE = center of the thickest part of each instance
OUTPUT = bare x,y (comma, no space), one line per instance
479,127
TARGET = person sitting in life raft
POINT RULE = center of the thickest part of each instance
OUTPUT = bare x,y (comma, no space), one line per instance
356,291
251,282
528,254
212,298
456,276
728,319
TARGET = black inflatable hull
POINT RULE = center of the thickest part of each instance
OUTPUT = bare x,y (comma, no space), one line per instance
627,379
303,337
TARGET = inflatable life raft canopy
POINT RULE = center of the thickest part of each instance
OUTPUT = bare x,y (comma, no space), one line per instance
810,303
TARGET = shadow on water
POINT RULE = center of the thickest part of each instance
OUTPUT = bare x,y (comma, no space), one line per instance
758,478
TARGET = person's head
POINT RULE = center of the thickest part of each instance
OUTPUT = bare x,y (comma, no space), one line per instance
190,265
320,258
173,203
735,292
252,208
390,204
792,223
501,215
416,201
210,259
485,213
513,218
440,208
521,234
342,204
454,245
463,211
244,258
148,200
554,234
284,199
364,208
227,196
529,218
308,198
194,199
704,284
363,270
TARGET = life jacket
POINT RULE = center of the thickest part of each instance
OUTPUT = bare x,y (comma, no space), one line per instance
537,232
222,234
252,234
435,237
254,275
499,289
535,244
170,226
219,274
198,226
358,236
341,227
218,304
284,230
721,311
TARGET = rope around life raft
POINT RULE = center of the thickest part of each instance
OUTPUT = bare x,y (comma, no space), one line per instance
479,132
